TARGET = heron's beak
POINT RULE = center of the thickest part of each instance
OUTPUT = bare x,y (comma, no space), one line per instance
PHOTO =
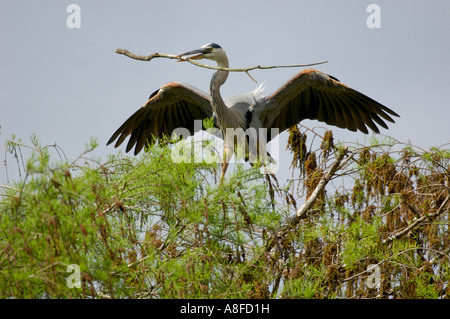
195,57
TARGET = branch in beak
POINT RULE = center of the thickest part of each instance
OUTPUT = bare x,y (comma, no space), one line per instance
195,57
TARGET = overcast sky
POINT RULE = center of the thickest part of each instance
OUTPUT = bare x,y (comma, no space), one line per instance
68,85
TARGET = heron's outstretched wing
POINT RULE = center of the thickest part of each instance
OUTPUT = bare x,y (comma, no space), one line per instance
174,105
314,95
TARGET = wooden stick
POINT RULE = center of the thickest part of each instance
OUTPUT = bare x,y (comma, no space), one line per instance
177,57
417,222
302,212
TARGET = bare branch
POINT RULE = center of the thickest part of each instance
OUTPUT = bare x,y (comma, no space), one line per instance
417,222
177,57
302,212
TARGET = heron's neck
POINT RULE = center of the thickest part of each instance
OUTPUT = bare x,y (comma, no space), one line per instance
217,80
222,75
226,117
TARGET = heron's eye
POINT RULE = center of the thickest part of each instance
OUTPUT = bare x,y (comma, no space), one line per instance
209,49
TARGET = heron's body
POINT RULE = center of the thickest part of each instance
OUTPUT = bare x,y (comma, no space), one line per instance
311,94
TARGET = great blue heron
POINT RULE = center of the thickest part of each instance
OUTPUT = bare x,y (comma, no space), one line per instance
311,94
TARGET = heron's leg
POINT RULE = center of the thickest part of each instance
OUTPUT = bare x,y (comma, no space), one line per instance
269,174
227,154
224,169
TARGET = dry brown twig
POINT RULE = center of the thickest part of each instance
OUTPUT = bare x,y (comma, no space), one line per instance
178,57
303,211
418,221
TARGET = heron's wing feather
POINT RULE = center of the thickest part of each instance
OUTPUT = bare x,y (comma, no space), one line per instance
314,95
174,105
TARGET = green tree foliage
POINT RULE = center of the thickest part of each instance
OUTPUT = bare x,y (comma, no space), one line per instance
146,227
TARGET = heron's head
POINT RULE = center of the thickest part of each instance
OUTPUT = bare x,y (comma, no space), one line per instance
210,51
